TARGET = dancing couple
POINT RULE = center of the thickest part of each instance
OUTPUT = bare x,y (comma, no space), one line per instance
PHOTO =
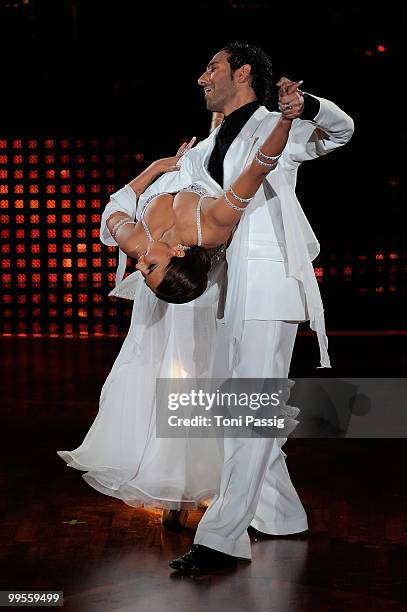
229,199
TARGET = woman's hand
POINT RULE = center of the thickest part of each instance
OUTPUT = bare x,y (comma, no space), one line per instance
169,164
291,98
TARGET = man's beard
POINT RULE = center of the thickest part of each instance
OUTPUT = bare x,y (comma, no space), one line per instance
214,106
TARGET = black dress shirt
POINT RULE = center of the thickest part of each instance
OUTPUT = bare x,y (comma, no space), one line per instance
232,125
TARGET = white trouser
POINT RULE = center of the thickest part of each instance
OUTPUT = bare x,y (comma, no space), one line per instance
255,486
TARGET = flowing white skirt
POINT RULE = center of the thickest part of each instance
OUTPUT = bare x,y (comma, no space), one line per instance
121,455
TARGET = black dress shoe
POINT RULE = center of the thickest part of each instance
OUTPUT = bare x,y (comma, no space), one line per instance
202,559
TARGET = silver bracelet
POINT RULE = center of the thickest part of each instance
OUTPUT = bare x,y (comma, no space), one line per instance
238,208
272,157
120,224
238,198
262,163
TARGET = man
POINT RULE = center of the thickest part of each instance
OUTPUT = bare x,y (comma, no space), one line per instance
271,284
256,488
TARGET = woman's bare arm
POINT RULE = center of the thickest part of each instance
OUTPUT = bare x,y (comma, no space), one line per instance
219,213
167,164
217,119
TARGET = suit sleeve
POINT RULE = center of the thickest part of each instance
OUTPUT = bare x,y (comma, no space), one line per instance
331,128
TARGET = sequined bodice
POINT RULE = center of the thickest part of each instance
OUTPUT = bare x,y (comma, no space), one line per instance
194,188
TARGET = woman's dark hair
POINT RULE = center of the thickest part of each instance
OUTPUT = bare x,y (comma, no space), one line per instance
241,53
186,277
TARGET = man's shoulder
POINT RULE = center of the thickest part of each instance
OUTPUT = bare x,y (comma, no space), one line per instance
269,118
198,150
202,144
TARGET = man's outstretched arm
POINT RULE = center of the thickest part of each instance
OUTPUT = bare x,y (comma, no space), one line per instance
311,137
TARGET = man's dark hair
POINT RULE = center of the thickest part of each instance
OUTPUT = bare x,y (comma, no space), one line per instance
241,53
186,277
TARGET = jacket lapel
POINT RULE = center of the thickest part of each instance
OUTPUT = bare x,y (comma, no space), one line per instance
240,149
205,161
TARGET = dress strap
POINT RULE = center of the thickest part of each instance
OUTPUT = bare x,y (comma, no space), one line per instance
147,231
198,219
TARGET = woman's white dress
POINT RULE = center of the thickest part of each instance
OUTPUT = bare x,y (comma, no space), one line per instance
121,455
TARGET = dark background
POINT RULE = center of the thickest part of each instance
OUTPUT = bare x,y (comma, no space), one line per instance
128,70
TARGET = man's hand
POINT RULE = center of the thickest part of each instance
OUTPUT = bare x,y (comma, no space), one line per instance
290,98
169,164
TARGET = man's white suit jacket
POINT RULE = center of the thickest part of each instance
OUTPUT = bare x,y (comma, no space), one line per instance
270,273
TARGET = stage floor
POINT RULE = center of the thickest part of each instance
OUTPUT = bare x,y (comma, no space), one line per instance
57,533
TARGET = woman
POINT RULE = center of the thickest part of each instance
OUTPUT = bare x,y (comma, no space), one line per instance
177,233
121,454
